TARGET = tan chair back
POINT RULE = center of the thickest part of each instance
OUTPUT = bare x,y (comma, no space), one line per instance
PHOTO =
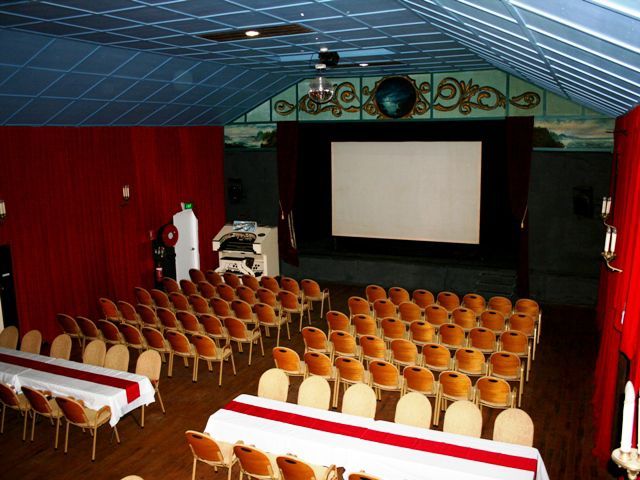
398,295
286,359
514,341
409,312
109,309
384,307
482,338
109,331
231,279
505,364
452,335
143,296
374,292
513,426
463,418
364,324
419,379
343,343
68,325
179,342
373,347
213,277
236,328
290,285
188,321
149,364
436,315
465,317
247,294
253,462
522,322
404,351
251,282
37,400
94,353
188,287
421,332
196,275
204,447
456,385
493,320
160,298
170,285
242,310
448,300
314,338
393,328
350,369
436,357
226,292
31,342
179,301
495,391
265,313
413,409
147,316
422,298
132,336
274,384
199,304
318,364
384,374
117,358
167,318
360,400
88,328
315,392
221,307
154,338
500,304
270,283
61,347
128,312
207,290
294,469
470,361
358,305
474,302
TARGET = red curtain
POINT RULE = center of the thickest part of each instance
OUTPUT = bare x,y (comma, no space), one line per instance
619,302
72,238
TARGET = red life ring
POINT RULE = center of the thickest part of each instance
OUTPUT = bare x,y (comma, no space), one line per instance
169,234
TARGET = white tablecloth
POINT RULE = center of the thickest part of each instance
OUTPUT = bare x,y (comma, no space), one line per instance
94,395
355,443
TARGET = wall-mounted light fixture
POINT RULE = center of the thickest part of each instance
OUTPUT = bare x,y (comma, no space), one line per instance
611,237
3,211
126,194
606,207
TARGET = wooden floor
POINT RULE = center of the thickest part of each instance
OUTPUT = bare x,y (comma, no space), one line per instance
557,397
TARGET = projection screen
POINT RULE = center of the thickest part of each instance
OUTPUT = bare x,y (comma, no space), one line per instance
426,191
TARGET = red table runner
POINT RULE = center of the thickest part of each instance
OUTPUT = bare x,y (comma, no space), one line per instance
131,388
430,446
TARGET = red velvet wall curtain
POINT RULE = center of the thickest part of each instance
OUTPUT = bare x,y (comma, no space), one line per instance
72,238
619,302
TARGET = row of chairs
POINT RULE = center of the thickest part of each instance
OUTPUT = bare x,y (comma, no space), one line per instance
492,386
383,303
31,341
437,356
31,402
230,286
413,408
422,332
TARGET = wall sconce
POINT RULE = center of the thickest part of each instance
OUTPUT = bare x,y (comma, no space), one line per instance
609,253
3,211
606,207
126,194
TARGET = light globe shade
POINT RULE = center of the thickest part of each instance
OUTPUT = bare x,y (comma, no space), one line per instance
320,90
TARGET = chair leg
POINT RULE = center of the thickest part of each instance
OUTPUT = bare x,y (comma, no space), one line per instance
261,345
194,377
95,438
233,362
160,399
288,331
142,418
66,437
115,430
220,376
4,407
250,350
278,335
24,426
193,470
170,372
33,424
55,445
301,317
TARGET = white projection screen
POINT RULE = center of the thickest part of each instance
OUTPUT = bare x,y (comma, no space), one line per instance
426,191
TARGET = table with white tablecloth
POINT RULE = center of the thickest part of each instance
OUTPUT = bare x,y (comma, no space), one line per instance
384,449
96,386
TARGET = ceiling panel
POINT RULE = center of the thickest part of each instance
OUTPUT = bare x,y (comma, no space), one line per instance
146,54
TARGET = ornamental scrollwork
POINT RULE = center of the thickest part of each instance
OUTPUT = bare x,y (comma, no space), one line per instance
420,104
526,101
467,96
284,108
345,93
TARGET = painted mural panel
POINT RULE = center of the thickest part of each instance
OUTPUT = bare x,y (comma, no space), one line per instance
573,133
470,94
250,135
261,113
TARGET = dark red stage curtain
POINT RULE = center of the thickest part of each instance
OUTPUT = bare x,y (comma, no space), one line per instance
519,144
287,139
72,238
619,302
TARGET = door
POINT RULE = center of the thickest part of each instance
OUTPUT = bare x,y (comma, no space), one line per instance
7,291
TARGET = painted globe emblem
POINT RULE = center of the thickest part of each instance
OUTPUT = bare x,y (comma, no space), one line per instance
395,97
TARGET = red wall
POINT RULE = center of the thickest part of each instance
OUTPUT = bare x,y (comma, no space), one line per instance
72,239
